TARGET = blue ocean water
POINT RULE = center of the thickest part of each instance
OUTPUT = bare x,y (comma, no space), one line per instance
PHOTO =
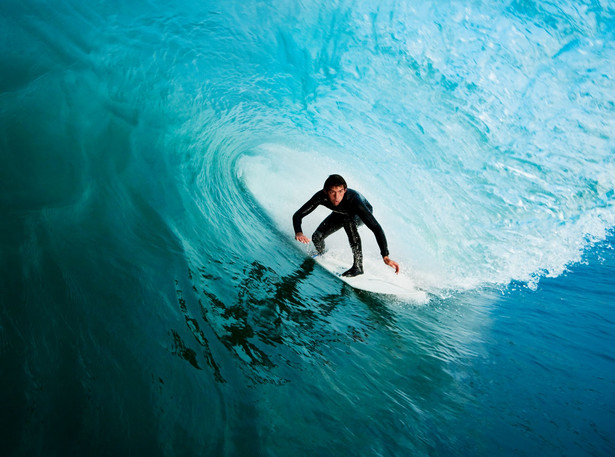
154,301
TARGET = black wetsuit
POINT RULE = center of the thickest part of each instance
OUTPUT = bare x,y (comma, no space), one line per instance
352,211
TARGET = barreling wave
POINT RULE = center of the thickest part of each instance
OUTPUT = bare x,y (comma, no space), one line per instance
154,153
485,145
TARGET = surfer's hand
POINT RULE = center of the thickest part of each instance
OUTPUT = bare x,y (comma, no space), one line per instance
302,238
392,263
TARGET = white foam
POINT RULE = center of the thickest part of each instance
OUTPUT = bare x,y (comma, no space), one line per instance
447,232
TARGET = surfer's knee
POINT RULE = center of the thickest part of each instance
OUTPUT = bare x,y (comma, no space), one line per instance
319,241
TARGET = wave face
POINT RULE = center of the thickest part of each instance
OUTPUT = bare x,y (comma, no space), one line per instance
153,155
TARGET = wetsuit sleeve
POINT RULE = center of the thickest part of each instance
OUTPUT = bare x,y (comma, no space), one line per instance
306,209
370,221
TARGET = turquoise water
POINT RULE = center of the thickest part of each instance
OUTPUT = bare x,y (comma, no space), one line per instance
154,301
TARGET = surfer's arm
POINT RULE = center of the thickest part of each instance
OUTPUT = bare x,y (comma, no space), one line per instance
370,221
306,209
302,238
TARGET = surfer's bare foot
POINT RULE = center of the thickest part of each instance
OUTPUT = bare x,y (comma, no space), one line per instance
354,271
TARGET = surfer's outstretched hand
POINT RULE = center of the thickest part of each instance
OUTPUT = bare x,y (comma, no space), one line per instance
302,238
392,263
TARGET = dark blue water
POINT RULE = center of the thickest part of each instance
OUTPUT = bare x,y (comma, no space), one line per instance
154,301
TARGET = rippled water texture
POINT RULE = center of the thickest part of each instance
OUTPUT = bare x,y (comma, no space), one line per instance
155,302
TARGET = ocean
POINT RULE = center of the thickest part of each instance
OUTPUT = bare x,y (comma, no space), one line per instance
153,298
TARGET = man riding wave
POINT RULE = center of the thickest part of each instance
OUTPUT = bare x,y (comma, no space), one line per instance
349,210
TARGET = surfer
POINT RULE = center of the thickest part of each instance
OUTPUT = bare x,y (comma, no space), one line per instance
350,210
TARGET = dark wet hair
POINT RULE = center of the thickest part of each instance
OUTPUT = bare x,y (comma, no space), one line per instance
334,181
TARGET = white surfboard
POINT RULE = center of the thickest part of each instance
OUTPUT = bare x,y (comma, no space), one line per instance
379,279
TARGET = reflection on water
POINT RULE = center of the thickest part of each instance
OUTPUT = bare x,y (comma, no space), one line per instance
267,319
187,353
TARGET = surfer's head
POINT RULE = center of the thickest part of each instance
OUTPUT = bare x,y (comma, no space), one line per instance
335,188
334,181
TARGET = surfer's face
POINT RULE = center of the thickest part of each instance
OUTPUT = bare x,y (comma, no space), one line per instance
335,194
